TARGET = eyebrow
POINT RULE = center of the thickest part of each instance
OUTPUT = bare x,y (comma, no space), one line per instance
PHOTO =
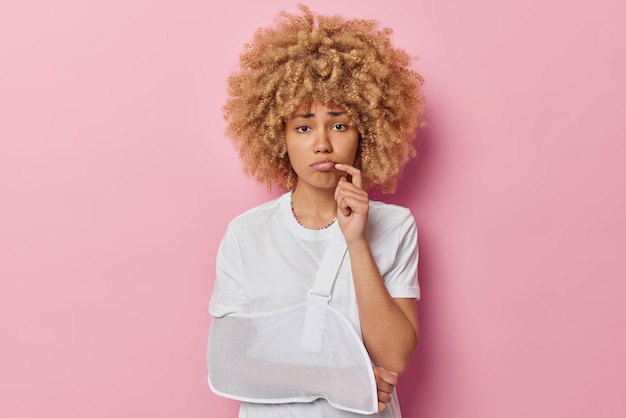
311,115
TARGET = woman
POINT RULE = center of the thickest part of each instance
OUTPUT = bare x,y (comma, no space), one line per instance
324,108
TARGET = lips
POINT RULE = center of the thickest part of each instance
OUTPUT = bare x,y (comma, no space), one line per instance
323,165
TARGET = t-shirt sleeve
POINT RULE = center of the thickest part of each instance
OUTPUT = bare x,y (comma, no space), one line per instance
229,291
401,280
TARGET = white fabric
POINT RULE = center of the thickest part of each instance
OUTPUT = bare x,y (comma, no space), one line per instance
244,346
267,262
306,352
321,294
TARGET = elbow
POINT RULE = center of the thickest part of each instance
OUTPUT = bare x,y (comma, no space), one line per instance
396,362
400,367
401,364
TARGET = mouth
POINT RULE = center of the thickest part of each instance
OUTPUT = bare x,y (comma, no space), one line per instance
323,165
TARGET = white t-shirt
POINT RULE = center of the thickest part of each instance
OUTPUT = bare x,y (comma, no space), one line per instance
267,261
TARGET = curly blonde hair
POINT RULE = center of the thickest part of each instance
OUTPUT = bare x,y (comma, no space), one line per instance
349,63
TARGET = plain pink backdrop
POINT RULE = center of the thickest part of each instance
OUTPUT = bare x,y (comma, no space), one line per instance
116,185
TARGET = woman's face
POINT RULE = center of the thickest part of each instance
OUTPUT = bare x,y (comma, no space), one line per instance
317,138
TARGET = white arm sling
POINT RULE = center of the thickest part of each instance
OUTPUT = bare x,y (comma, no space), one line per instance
297,354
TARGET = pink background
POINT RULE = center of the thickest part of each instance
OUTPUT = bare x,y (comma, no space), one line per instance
117,184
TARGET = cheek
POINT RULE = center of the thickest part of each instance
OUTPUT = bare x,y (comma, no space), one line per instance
288,146
293,153
356,147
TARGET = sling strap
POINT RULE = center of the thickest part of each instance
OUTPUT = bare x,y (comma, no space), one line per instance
320,294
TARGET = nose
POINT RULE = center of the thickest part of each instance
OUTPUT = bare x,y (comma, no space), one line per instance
322,143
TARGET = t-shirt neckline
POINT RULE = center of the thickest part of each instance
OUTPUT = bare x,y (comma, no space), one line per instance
299,230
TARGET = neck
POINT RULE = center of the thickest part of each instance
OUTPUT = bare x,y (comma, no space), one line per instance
314,208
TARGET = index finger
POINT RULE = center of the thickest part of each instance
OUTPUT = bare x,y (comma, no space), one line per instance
390,378
357,179
386,376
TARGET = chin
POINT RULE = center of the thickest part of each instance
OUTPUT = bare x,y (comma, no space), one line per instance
325,184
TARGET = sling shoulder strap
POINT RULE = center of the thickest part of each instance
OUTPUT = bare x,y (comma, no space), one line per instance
320,294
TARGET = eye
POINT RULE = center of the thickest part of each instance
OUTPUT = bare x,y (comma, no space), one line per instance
340,127
302,129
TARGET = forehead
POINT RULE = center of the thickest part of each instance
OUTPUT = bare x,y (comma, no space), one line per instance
316,107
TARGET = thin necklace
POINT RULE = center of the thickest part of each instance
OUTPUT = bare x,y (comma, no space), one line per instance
293,212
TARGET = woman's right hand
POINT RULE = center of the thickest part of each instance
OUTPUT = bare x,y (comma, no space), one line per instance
386,381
